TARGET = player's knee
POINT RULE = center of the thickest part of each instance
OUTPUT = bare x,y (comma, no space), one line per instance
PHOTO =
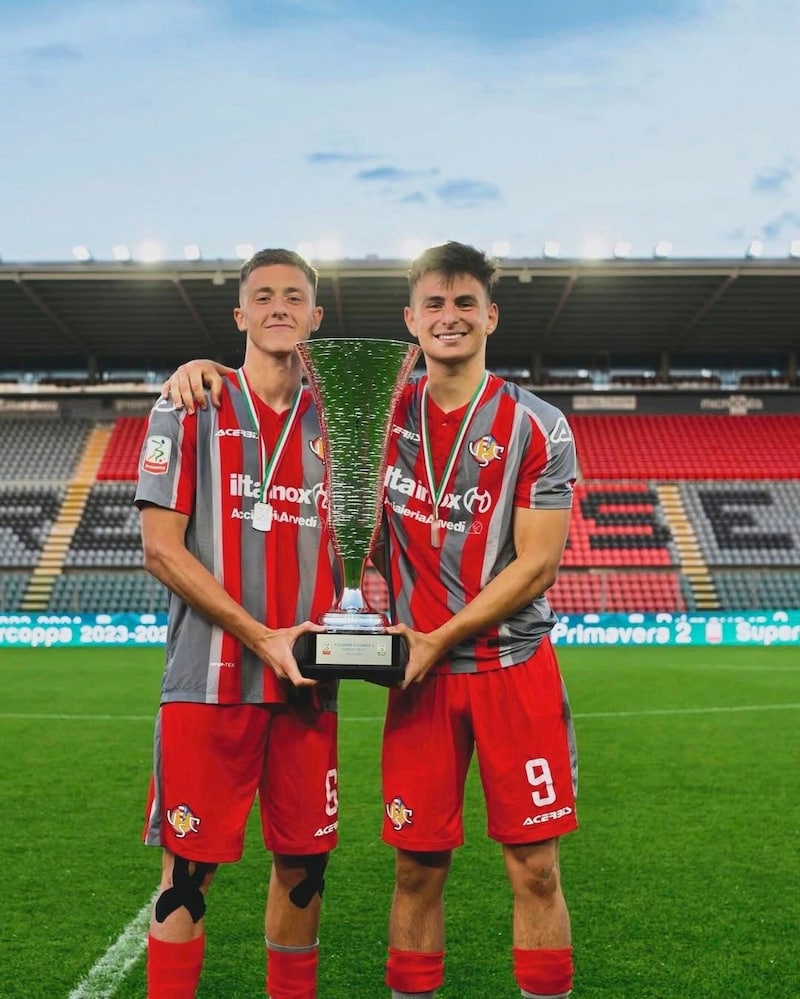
534,872
308,874
417,873
189,881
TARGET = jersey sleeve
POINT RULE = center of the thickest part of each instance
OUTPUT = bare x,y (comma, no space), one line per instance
167,463
549,464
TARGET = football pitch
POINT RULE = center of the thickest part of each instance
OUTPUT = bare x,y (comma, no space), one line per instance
682,881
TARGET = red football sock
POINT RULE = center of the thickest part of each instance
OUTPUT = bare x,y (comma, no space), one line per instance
544,972
173,969
409,971
292,974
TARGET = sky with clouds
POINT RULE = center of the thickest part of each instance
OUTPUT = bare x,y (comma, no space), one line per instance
372,124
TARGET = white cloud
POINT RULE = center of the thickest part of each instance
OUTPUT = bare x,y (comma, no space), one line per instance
173,127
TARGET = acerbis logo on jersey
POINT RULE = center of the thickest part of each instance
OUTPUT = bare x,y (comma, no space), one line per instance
157,455
182,820
559,813
408,435
486,449
236,432
327,830
473,500
399,813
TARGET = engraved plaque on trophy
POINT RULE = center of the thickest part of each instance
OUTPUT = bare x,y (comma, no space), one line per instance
356,384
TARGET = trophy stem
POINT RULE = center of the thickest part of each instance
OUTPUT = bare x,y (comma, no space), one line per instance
353,571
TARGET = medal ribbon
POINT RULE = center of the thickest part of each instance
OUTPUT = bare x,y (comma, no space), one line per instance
267,468
437,492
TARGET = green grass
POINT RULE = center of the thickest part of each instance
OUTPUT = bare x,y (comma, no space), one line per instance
681,882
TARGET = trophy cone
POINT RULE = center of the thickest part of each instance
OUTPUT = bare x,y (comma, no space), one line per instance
356,385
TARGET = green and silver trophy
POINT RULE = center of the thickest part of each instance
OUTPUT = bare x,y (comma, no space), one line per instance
356,384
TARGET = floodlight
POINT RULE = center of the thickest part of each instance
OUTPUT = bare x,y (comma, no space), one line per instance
622,249
149,252
662,249
121,252
594,248
192,252
306,250
411,248
551,249
244,251
755,249
82,253
329,249
500,249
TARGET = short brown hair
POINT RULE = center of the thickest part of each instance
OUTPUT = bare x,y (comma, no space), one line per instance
451,260
266,258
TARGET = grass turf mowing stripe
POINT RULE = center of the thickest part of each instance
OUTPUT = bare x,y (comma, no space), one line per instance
108,972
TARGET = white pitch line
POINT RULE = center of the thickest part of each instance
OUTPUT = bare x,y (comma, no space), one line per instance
64,717
731,709
108,972
724,709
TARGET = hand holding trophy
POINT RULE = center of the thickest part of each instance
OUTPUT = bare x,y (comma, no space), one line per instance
356,384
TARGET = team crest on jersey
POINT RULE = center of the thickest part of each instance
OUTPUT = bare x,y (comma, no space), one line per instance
156,455
317,448
486,449
399,813
182,820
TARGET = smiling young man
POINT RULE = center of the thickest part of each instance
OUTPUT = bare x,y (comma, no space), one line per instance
231,503
478,497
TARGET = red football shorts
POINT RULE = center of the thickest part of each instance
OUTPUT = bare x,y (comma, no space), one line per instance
210,760
518,721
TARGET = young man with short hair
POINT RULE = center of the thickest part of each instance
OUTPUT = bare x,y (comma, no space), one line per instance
231,501
478,497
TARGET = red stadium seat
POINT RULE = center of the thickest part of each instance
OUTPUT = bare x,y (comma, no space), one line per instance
667,447
121,458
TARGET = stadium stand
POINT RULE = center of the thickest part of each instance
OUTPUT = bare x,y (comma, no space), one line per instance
107,592
582,592
41,449
27,514
670,447
743,523
108,533
618,525
676,541
122,453
12,588
689,476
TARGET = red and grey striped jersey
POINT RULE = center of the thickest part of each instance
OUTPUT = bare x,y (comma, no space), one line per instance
518,452
207,466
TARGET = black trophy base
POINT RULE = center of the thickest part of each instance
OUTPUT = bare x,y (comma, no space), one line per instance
352,655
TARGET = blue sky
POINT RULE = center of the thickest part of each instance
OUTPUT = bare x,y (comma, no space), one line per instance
373,125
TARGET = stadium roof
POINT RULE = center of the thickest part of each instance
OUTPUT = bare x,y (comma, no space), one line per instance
113,317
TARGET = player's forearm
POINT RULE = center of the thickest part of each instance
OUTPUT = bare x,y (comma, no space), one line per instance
189,579
517,585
